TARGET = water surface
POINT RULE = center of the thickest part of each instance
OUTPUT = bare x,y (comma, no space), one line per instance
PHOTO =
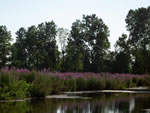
100,103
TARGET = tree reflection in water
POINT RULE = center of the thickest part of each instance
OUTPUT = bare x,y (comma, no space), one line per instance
100,103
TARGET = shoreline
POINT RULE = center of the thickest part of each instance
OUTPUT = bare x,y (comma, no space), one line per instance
109,91
72,95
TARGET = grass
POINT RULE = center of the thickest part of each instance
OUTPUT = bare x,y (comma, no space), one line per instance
22,83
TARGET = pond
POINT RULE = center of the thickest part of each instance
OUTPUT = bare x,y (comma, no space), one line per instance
98,103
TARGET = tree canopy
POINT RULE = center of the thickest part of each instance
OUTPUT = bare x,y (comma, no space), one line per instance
138,25
5,45
88,45
84,48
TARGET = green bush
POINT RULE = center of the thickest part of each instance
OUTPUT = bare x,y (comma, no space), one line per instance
112,84
122,84
101,84
81,84
95,84
20,89
144,81
5,79
28,77
21,84
41,86
130,83
58,85
15,90
70,84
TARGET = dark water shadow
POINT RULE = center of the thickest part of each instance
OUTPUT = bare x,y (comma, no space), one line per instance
100,103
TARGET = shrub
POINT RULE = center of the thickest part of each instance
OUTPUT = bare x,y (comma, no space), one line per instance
70,84
21,83
130,83
144,81
95,84
58,85
101,84
5,79
112,84
20,89
15,90
28,77
81,84
42,86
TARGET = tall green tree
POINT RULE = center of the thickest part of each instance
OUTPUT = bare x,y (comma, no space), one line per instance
19,49
32,47
5,45
75,49
138,24
88,45
47,45
96,35
35,48
121,63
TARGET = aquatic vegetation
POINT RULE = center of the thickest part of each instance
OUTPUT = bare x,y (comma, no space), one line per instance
22,83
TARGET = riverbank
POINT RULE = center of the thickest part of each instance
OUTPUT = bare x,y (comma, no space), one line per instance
18,84
74,95
110,91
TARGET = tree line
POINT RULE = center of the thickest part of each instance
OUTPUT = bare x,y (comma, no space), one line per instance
85,48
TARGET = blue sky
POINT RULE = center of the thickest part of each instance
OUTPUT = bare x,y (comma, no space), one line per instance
24,13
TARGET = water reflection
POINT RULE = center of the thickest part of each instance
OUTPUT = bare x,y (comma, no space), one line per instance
131,105
15,107
101,103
